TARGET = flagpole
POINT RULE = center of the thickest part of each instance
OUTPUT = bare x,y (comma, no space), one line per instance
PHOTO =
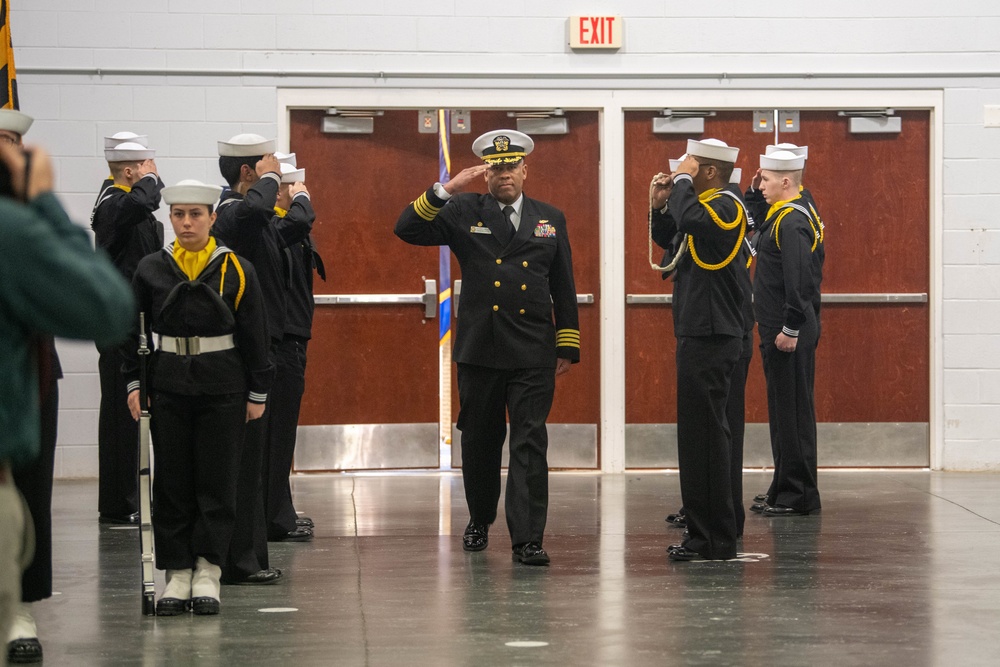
444,302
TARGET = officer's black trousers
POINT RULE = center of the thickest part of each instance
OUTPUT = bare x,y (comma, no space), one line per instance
35,484
117,442
283,403
485,395
705,367
248,548
792,417
196,444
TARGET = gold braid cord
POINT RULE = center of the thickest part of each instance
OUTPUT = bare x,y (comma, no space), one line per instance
680,251
740,220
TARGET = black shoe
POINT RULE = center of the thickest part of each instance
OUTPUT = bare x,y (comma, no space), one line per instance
678,520
24,651
172,606
304,522
300,534
531,553
682,553
476,537
269,576
780,510
128,520
204,606
759,507
760,498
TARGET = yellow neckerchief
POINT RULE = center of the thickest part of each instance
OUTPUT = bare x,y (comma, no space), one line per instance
193,263
778,204
123,187
741,221
282,212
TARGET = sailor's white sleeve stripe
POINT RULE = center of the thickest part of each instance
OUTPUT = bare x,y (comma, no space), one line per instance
301,194
683,177
794,333
133,386
256,397
271,174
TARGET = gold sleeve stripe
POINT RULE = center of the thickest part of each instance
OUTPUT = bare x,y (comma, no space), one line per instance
576,345
568,332
424,208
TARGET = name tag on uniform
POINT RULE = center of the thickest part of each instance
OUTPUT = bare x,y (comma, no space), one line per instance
479,229
544,230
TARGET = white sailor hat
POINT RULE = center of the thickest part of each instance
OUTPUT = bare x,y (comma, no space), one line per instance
802,151
676,163
736,175
286,158
782,161
289,174
122,137
246,145
128,151
191,191
712,149
15,121
503,146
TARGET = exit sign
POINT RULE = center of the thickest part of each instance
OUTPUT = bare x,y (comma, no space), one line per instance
595,32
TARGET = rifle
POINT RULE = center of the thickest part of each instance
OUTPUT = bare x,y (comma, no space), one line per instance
145,512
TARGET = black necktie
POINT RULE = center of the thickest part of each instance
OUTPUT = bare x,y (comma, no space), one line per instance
508,212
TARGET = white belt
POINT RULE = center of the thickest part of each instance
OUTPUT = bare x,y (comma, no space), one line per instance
194,344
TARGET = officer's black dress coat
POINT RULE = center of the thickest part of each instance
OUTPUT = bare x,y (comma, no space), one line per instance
124,226
198,402
710,325
786,299
518,315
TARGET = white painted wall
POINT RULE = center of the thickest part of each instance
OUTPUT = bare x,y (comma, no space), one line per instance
189,72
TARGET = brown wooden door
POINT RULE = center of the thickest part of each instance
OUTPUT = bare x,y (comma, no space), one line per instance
563,171
371,396
872,364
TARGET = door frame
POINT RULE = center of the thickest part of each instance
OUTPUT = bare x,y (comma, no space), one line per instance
611,106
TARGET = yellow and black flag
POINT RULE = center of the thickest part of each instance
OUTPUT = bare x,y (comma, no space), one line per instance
8,75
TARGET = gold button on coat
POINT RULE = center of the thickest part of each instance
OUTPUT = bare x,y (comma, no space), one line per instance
499,261
524,287
496,307
522,311
496,284
524,264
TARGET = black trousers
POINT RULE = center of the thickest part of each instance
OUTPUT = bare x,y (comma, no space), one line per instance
248,547
704,375
117,442
196,442
485,395
35,484
736,416
284,402
791,412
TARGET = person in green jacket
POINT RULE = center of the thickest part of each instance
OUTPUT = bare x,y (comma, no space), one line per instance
51,283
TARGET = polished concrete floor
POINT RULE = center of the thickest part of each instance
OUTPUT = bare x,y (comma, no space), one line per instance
901,568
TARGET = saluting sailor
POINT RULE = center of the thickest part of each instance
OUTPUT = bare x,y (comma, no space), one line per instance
710,325
125,227
517,330
786,292
209,376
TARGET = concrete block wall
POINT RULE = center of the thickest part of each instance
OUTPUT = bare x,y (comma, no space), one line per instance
189,72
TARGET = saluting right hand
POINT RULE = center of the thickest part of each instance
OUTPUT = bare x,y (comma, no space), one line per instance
296,188
755,183
147,167
464,177
268,164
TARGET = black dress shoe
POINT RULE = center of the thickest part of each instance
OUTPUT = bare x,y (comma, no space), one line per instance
531,553
130,519
304,522
476,537
679,520
172,606
682,553
300,534
760,498
24,651
269,576
780,510
758,507
205,606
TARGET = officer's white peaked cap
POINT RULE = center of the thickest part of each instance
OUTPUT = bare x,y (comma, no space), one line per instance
122,137
802,151
782,161
503,146
246,145
712,149
128,151
191,192
15,121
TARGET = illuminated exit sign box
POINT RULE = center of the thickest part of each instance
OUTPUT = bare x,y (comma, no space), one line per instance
595,32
